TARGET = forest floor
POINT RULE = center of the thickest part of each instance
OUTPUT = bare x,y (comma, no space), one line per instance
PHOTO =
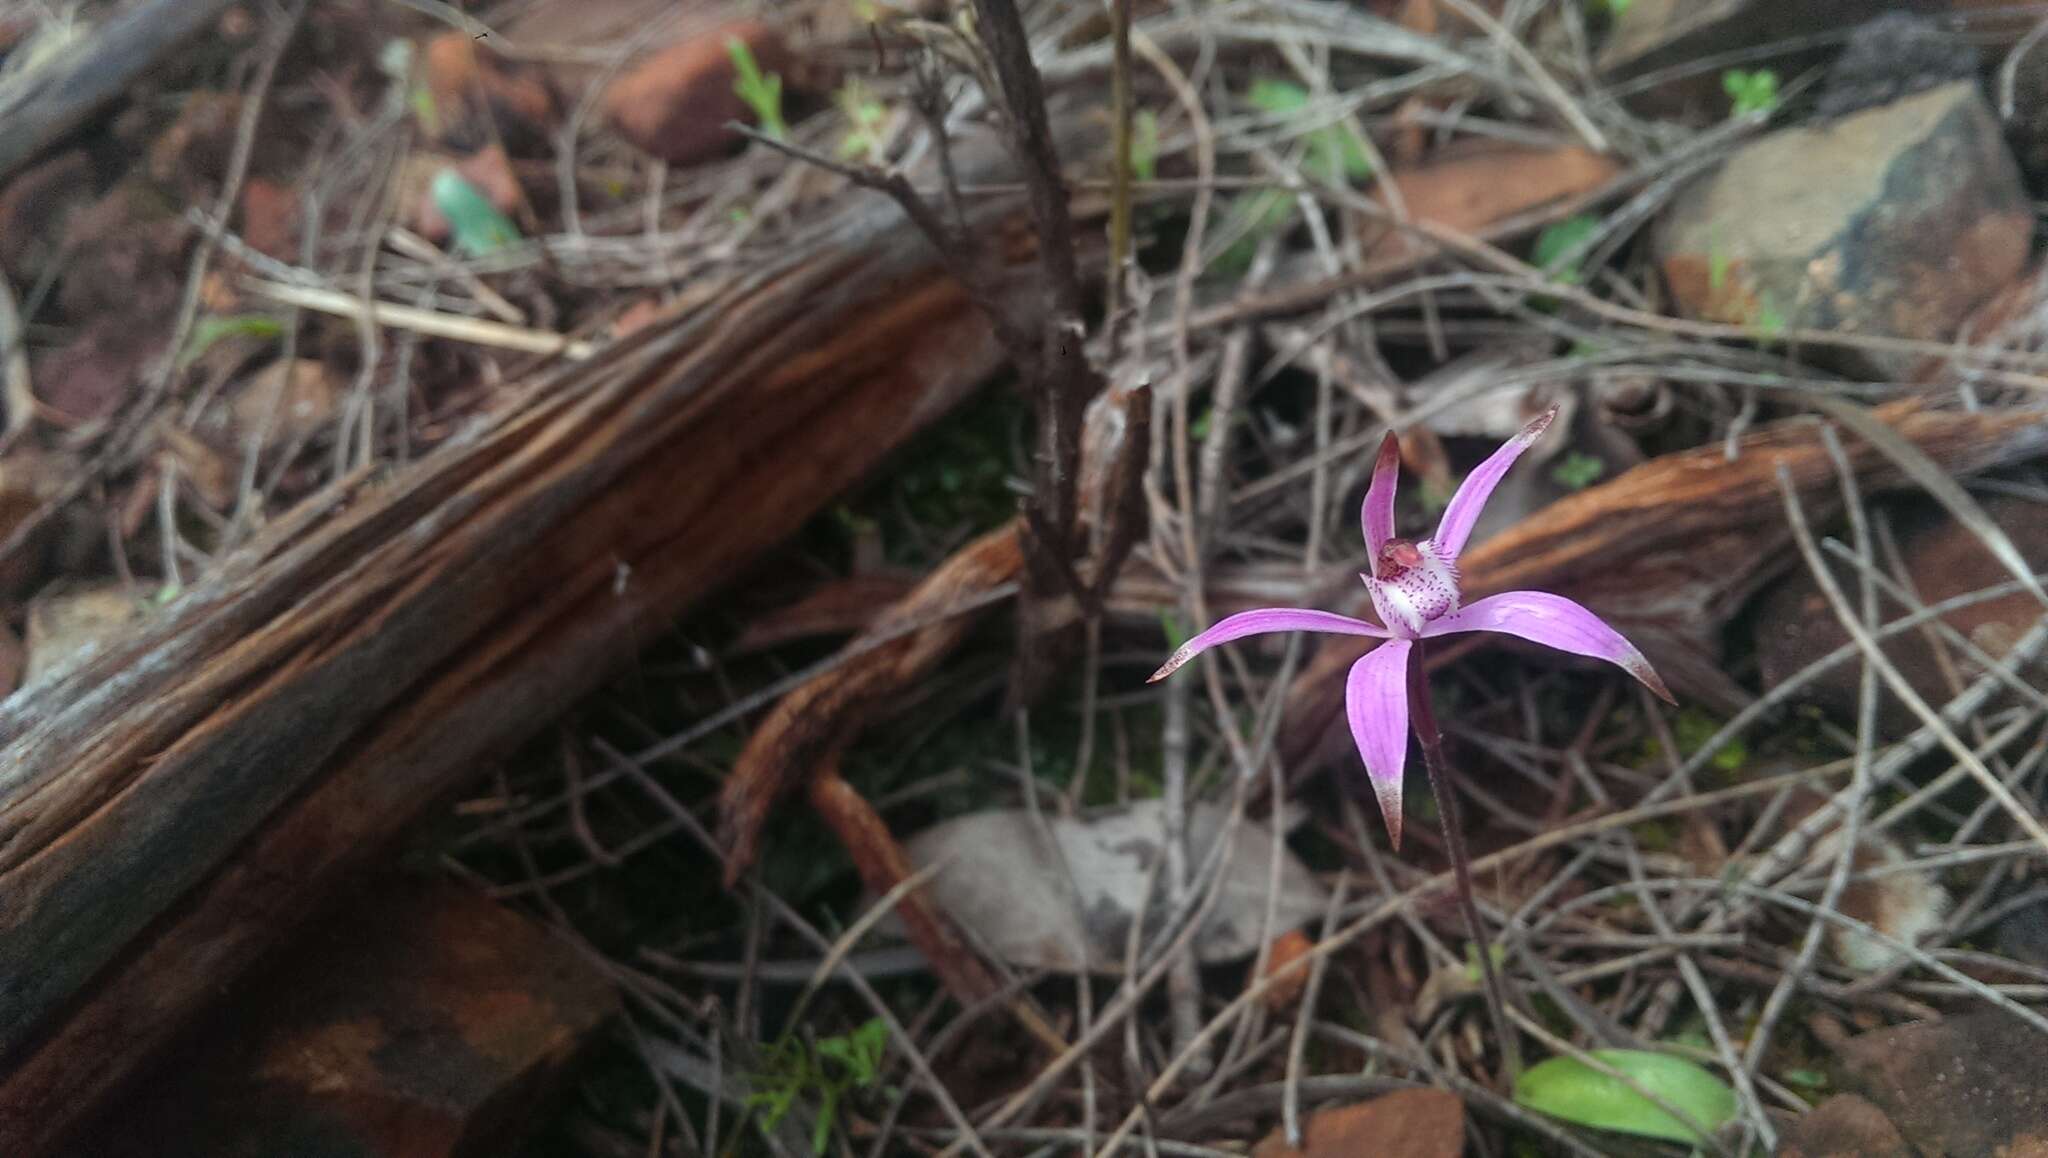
1778,278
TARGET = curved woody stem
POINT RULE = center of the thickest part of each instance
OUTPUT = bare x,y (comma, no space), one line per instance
1422,715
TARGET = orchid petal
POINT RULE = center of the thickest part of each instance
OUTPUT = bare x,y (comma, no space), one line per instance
1262,621
1376,705
1376,517
1553,621
1463,512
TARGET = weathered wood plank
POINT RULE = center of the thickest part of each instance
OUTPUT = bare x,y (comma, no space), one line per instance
170,807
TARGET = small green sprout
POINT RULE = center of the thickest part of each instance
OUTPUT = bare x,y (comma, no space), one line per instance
212,330
1750,92
761,91
476,225
1560,247
792,1070
1577,470
864,116
1334,151
1767,322
1145,145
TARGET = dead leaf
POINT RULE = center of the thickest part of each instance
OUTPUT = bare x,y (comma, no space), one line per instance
1469,192
1003,883
1417,1123
286,402
1292,978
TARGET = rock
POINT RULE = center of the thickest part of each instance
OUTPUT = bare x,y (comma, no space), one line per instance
89,378
1965,1087
67,622
1895,221
466,82
424,1022
675,103
1404,1124
1795,625
2022,934
125,259
270,218
1844,1126
1654,34
33,210
1894,56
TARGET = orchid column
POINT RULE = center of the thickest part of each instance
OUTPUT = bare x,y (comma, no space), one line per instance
1415,591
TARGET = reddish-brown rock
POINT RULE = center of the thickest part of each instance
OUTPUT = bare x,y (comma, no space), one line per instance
425,1022
1844,1126
1795,625
466,83
1403,1124
1962,1087
675,104
270,218
33,211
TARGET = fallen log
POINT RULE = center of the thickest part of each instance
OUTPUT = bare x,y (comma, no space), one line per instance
171,807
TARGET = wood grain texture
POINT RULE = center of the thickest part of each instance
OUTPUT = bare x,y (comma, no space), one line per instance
171,807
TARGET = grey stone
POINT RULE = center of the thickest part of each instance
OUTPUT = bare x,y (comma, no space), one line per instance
1895,221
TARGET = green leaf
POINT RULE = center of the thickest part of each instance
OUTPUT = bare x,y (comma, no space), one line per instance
1277,96
1567,1088
1176,632
761,91
859,1052
1334,151
1750,92
1577,470
1145,145
476,223
1562,242
210,331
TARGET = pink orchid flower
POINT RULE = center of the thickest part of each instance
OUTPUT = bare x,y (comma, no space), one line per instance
1414,589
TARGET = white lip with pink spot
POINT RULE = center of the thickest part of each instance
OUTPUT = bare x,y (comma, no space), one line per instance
1416,583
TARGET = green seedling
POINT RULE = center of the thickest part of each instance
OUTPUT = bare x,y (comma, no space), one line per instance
829,1071
211,331
761,91
1145,145
1750,92
864,116
476,225
1577,471
1560,248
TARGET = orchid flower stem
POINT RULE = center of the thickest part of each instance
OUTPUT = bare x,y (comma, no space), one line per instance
1422,714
